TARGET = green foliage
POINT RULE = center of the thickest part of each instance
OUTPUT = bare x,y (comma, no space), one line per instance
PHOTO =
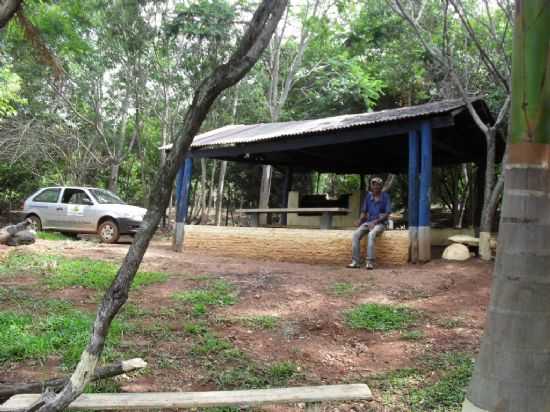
376,317
62,272
28,336
10,89
219,293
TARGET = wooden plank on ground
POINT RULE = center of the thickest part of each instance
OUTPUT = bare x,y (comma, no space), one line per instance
159,400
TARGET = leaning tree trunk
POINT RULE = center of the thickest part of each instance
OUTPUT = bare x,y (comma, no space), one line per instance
7,9
249,49
512,371
265,191
488,212
219,197
203,192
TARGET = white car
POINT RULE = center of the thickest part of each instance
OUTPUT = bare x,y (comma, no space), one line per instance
76,210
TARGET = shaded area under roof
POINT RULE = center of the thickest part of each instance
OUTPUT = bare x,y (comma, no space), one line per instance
361,143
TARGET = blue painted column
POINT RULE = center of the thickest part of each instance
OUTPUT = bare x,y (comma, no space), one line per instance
424,221
413,193
183,182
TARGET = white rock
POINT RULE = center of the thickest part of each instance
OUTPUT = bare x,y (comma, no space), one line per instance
456,251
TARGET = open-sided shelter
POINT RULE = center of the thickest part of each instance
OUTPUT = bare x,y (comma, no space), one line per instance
409,139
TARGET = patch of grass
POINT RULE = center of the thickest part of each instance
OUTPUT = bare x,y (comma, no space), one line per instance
26,336
376,317
62,272
199,310
131,311
95,274
280,373
103,386
438,384
17,262
448,392
195,328
54,236
254,377
219,293
342,289
260,322
412,335
13,294
210,345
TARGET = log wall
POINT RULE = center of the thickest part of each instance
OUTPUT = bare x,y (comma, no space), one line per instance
293,245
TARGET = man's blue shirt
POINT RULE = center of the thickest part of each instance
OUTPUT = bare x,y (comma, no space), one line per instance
375,208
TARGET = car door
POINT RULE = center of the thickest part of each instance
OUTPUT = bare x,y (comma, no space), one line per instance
76,204
45,205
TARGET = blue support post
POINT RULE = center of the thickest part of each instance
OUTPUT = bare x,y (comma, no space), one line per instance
424,221
413,193
183,182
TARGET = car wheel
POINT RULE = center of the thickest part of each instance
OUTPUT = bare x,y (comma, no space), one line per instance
35,223
108,231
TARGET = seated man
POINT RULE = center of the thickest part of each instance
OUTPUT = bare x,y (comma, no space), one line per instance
374,215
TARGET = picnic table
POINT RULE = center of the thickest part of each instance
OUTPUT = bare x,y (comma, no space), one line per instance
325,212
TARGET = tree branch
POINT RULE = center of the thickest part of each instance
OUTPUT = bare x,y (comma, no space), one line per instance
252,44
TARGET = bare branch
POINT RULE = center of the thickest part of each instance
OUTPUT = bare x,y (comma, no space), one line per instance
489,63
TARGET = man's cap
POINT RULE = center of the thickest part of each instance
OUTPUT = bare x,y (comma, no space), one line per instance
376,180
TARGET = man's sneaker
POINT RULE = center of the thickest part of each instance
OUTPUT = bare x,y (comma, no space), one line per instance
354,265
369,266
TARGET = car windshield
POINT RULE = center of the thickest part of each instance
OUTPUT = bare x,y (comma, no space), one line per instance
105,197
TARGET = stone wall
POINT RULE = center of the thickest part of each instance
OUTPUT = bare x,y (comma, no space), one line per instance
293,245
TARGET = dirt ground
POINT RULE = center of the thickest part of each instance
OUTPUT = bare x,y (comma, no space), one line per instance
311,333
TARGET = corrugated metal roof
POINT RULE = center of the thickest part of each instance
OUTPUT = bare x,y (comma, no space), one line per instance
239,134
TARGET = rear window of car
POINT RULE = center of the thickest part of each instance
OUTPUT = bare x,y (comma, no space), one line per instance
47,196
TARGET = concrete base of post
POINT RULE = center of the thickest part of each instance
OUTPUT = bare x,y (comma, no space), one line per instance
179,234
485,246
413,238
424,244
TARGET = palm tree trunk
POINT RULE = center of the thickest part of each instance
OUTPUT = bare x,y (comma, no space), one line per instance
512,371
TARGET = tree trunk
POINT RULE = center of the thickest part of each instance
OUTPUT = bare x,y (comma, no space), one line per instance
487,213
211,192
7,9
512,372
249,49
265,191
203,192
113,179
221,183
465,196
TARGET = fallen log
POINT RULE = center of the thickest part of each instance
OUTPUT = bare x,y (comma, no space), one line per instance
108,371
